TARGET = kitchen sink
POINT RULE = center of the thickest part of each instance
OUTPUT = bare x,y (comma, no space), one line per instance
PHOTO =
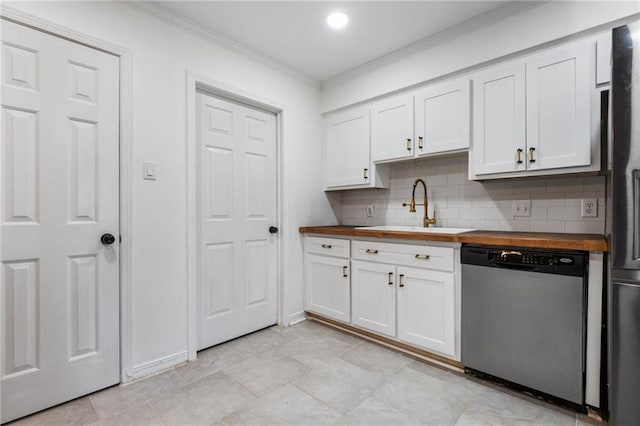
416,229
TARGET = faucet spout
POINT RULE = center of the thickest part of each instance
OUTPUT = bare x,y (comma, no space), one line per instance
426,221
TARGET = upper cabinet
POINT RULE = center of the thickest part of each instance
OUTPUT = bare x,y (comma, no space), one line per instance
558,109
603,58
433,120
534,115
392,128
347,151
442,117
499,132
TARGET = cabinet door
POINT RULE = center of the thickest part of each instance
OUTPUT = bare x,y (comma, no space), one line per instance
499,120
347,149
327,289
442,117
374,297
392,128
558,108
603,58
426,309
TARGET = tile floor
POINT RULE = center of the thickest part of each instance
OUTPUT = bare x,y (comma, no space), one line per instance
304,375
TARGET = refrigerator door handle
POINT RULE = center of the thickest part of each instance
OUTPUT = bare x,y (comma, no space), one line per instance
636,215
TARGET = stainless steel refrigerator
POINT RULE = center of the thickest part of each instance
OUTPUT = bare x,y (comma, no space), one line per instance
624,302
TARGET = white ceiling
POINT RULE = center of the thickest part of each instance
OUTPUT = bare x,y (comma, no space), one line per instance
294,33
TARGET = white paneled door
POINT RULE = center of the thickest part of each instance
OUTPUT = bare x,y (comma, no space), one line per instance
60,285
236,204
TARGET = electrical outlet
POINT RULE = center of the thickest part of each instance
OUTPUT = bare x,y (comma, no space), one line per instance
589,207
521,208
371,211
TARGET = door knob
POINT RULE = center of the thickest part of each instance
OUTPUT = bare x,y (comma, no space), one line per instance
273,229
107,239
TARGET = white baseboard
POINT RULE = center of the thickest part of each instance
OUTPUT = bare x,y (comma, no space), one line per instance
296,318
157,365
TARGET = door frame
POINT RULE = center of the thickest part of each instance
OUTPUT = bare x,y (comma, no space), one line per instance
200,83
125,167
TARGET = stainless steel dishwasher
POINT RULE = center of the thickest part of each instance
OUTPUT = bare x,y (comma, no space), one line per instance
523,318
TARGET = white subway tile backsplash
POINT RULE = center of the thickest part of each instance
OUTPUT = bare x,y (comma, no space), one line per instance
472,213
563,184
563,213
555,201
584,227
498,187
470,189
547,226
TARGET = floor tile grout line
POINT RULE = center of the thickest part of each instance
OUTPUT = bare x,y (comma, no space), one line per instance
320,401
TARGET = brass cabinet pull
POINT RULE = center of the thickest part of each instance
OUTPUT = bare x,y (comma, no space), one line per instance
390,278
366,171
408,144
422,256
420,145
344,271
531,159
370,251
401,283
518,154
327,246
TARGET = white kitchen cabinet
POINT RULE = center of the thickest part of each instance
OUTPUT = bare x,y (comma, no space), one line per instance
442,117
433,120
409,292
373,296
426,309
603,58
347,152
499,132
392,128
534,115
327,283
558,108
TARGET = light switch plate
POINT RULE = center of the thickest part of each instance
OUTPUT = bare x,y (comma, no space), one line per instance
149,170
521,208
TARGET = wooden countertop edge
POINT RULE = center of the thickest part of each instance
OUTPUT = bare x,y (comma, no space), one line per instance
586,242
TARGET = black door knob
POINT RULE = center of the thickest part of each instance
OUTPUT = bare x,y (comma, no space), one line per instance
273,229
107,239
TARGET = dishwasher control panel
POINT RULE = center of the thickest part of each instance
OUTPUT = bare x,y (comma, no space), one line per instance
529,258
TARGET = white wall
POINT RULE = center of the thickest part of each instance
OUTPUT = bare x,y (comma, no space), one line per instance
476,43
459,203
161,56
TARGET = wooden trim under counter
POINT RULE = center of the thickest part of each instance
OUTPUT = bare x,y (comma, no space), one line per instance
543,240
388,342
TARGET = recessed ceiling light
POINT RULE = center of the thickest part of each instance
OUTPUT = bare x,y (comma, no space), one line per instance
337,20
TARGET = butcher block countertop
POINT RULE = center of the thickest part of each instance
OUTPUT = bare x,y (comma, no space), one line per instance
544,240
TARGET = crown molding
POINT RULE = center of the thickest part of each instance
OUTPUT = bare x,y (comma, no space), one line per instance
174,19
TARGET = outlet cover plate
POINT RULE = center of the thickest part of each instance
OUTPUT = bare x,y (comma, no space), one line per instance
521,208
589,207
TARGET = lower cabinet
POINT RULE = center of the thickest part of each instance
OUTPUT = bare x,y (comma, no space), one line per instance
373,297
407,292
426,309
327,289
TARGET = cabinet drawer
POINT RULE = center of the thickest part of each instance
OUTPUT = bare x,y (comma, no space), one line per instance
419,256
327,246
